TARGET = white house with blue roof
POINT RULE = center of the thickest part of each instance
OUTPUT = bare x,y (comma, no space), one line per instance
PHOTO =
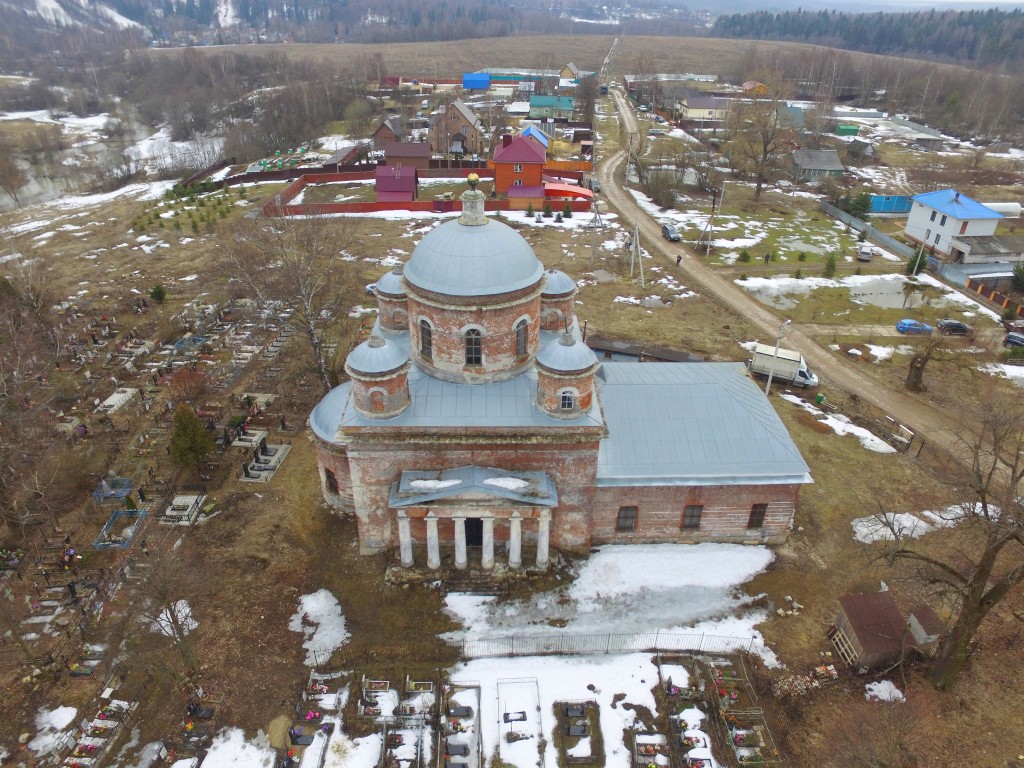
477,429
936,218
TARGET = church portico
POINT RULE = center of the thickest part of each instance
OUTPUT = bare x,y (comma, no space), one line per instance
463,530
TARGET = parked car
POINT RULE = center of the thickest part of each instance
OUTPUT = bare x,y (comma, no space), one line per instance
954,328
670,233
659,119
371,289
913,327
643,108
1013,340
865,252
593,184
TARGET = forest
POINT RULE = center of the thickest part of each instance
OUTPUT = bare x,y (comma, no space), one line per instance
985,39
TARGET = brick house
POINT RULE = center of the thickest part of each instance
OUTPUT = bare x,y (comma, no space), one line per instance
456,129
408,153
476,423
518,162
390,131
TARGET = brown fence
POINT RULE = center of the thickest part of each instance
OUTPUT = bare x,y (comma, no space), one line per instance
1002,301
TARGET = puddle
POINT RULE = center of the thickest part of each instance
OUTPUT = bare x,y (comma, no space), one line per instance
792,244
897,294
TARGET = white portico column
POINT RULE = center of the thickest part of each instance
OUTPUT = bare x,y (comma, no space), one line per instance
433,550
460,542
404,539
487,557
543,538
515,541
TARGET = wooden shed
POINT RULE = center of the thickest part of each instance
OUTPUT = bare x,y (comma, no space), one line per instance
870,630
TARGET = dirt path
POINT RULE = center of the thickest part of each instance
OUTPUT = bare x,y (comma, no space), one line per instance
916,411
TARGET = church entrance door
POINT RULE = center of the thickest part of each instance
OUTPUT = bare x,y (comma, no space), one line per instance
474,532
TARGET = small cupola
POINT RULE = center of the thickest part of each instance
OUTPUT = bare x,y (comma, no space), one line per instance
392,302
556,300
380,377
565,377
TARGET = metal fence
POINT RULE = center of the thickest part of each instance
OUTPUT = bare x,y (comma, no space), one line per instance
872,234
553,645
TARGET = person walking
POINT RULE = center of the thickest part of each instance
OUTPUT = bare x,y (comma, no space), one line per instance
679,260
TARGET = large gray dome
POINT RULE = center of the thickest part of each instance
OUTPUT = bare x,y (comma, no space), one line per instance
458,259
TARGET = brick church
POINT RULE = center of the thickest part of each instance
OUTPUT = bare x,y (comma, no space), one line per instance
477,427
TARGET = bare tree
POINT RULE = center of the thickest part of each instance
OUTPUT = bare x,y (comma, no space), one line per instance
12,178
979,561
295,264
919,361
757,137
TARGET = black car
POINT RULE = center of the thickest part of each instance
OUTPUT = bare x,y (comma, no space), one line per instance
670,233
954,328
1013,340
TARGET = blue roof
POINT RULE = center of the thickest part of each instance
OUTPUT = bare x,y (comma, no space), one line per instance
952,203
472,81
556,102
692,424
537,133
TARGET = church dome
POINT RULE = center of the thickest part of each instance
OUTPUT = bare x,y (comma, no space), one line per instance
375,356
391,283
558,283
566,355
473,256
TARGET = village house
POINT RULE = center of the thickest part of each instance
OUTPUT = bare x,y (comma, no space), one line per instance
703,109
414,154
519,163
557,107
476,423
456,130
814,164
936,218
391,130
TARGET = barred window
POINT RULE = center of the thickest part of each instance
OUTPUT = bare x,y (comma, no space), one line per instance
691,516
625,521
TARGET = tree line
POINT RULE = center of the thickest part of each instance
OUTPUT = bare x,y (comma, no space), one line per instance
988,39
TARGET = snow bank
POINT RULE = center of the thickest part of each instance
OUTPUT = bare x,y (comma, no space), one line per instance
229,749
320,620
883,690
842,425
879,527
50,723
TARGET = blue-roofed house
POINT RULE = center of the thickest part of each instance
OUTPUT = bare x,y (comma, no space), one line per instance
936,218
532,131
476,424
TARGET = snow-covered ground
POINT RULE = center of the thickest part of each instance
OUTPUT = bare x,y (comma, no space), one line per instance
320,620
50,724
842,425
693,595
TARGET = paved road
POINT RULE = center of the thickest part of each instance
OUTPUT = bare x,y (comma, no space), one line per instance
916,411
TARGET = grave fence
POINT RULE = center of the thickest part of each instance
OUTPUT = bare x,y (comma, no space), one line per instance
557,645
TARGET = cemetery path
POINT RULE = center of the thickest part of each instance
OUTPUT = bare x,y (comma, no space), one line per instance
917,411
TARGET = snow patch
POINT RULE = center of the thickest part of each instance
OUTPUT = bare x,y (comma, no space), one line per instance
320,619
883,690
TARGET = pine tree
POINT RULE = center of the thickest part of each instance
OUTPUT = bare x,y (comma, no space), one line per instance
190,442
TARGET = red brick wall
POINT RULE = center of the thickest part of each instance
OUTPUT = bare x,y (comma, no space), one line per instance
335,459
554,311
381,396
497,317
572,465
726,512
393,314
505,177
550,386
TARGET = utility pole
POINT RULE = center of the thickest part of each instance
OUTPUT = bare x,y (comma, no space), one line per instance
635,259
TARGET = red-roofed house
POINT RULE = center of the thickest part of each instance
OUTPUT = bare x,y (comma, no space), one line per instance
396,183
518,162
413,153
